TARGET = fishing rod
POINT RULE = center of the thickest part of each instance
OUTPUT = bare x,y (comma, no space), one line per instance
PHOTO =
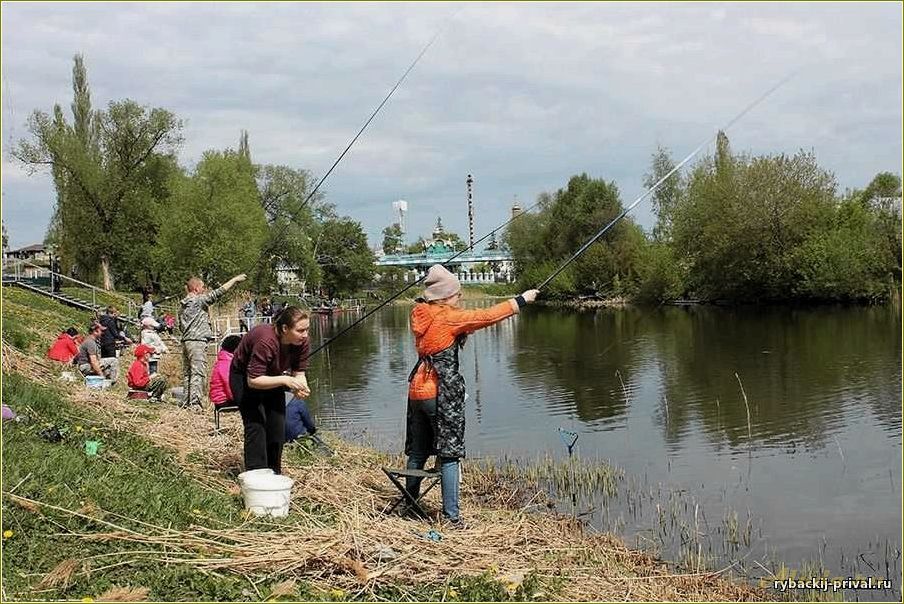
316,188
445,263
659,182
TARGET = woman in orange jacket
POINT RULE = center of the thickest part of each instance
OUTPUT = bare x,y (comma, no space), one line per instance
436,390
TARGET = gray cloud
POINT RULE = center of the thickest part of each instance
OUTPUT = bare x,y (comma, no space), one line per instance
522,95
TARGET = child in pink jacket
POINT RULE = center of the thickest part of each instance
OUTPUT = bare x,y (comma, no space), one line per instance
220,393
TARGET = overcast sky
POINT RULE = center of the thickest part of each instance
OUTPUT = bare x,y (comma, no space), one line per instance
521,95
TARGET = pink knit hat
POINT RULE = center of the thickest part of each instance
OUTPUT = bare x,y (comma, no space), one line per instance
440,283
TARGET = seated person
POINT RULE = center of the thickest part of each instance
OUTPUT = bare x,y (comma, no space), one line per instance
88,358
140,378
298,420
64,348
220,393
150,337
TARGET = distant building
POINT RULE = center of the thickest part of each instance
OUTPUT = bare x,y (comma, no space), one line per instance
35,253
440,243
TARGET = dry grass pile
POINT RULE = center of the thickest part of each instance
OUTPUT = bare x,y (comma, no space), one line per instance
339,535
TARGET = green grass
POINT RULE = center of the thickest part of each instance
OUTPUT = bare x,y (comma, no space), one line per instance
104,298
129,477
133,481
31,322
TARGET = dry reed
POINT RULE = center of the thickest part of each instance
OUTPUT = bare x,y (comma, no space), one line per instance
339,535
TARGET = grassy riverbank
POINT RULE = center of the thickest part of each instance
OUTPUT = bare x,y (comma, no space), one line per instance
156,514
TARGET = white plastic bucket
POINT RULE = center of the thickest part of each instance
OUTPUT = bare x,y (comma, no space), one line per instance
266,493
264,471
97,382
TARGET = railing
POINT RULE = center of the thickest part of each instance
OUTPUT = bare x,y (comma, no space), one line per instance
21,268
223,326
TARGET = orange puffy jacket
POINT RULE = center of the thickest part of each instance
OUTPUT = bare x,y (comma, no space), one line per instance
435,327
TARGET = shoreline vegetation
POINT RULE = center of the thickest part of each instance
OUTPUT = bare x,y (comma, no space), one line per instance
594,302
156,514
731,226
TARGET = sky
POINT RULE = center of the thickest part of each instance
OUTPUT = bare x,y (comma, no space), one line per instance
520,95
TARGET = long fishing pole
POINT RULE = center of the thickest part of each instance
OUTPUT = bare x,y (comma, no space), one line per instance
659,182
326,343
316,188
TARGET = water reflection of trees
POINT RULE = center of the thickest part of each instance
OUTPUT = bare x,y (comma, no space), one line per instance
580,353
346,364
802,370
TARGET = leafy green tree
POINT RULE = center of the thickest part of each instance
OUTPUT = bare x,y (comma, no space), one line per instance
454,239
110,169
344,257
661,275
668,195
883,191
392,239
294,223
883,196
743,221
524,237
214,227
418,247
840,261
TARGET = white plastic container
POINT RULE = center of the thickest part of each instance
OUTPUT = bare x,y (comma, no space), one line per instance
241,477
266,493
97,382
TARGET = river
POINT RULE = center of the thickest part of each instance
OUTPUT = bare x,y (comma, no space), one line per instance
806,473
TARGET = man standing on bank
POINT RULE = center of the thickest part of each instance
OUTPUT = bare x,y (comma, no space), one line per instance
196,333
270,360
436,390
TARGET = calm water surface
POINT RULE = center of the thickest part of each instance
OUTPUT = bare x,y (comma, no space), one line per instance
814,477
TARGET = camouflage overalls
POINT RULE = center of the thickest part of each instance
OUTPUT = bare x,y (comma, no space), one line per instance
194,322
449,426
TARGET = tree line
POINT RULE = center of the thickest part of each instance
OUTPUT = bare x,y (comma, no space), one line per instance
735,227
128,215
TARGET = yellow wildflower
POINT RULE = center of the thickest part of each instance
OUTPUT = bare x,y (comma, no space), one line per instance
87,599
7,534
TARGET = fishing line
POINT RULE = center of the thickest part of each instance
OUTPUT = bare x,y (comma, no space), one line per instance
658,183
316,188
416,282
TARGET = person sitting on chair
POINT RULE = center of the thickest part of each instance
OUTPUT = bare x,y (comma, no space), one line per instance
139,378
220,393
298,420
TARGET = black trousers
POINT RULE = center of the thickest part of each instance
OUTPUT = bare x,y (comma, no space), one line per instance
264,418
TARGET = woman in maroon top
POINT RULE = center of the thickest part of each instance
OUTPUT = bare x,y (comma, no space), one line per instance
271,359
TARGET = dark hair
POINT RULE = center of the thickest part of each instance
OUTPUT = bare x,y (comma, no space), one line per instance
288,317
72,331
230,343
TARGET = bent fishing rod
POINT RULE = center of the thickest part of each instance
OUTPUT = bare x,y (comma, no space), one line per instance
354,139
445,263
659,182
